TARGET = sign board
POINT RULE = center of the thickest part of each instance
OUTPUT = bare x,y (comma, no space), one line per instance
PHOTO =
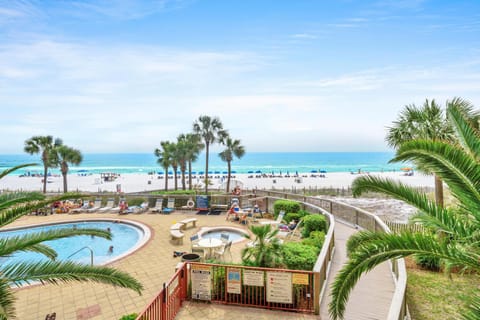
253,278
300,278
279,287
234,284
202,202
201,282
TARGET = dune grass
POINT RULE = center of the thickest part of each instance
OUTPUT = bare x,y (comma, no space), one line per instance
432,295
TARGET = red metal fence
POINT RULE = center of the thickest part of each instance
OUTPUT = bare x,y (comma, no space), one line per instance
168,301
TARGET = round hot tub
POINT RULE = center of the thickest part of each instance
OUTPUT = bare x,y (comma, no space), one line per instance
235,234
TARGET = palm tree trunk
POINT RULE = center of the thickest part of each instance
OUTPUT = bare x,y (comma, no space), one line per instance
438,191
175,177
45,173
166,178
189,175
229,166
183,177
64,169
207,147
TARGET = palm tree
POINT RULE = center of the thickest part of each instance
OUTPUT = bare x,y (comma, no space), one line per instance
45,146
164,158
194,146
453,232
211,130
174,162
13,206
233,148
427,122
65,156
266,248
182,153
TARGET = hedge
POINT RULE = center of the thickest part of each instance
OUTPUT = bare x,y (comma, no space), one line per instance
316,239
295,216
299,256
288,206
313,222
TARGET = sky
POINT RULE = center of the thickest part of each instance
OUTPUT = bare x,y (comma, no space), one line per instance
303,75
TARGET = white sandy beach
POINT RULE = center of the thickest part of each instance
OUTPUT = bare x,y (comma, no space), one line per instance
135,182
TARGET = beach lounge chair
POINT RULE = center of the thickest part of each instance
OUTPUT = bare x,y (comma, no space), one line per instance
170,206
158,205
276,222
287,233
96,206
117,208
108,206
83,208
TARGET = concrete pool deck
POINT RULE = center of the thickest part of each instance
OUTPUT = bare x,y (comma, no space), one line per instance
152,265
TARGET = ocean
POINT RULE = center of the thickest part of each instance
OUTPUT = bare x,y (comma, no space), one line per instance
252,162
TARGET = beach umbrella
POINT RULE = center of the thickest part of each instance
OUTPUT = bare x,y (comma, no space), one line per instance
194,172
216,172
160,172
234,171
323,171
170,172
83,170
313,171
250,171
258,171
224,172
201,172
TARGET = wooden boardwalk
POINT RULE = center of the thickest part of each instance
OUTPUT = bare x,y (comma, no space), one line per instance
371,297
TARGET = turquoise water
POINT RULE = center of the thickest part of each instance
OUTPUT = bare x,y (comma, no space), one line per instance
124,237
233,236
266,162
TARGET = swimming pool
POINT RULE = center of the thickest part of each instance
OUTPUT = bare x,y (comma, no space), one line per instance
126,238
235,234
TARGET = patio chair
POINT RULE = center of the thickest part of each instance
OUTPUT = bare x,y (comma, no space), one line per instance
276,222
224,237
96,206
194,244
170,206
223,250
158,205
118,207
83,208
108,206
287,233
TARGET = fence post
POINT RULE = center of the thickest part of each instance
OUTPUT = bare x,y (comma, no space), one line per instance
316,293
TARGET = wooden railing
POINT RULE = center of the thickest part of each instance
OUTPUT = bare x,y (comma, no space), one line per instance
366,220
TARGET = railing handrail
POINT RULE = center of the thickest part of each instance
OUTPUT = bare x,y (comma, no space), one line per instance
86,247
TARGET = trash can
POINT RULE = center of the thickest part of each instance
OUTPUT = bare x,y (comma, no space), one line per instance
190,257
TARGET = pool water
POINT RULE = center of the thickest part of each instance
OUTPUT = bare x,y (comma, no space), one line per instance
233,235
124,238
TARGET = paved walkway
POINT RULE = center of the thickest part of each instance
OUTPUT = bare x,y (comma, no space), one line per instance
153,265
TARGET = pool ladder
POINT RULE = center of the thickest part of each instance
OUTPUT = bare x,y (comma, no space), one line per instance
86,247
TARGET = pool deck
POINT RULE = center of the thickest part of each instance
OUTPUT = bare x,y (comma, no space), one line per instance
154,264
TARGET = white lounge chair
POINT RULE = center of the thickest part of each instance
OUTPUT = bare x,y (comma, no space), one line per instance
158,205
276,222
96,206
170,206
117,208
108,206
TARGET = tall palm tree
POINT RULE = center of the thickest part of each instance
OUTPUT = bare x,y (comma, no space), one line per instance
66,155
13,206
45,146
266,248
164,158
211,131
453,231
428,122
232,148
182,153
195,145
174,162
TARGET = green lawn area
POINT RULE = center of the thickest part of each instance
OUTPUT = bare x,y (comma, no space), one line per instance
433,296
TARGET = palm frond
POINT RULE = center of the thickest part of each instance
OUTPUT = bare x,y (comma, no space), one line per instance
7,301
473,309
453,165
8,171
29,242
390,246
467,135
55,272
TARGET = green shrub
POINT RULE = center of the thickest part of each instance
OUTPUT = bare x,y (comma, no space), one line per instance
285,205
427,262
180,192
298,256
297,216
132,316
313,222
315,239
135,201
